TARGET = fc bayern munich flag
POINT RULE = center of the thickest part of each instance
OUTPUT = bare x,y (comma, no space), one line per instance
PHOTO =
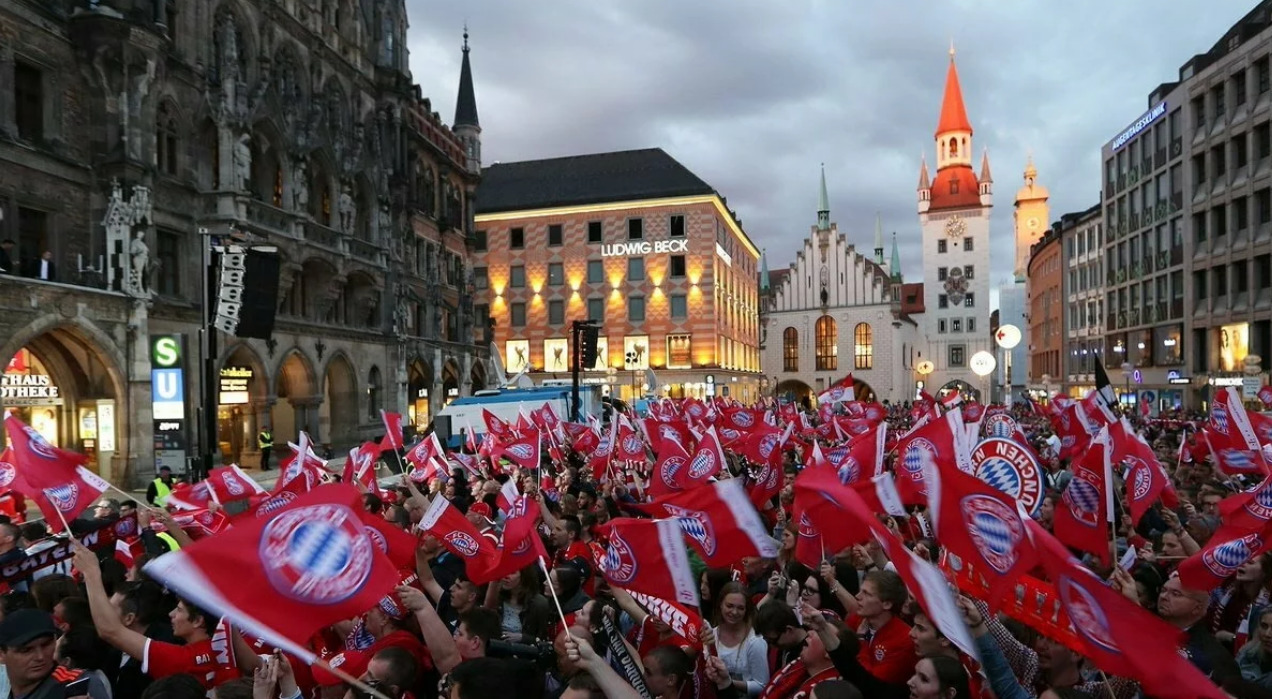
521,545
224,484
1211,567
444,521
719,521
1081,517
360,467
839,392
524,451
58,475
392,430
1119,636
649,556
284,578
390,540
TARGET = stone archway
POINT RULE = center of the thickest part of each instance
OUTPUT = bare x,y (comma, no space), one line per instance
477,375
296,387
863,391
338,415
241,413
63,378
450,380
796,391
419,393
962,387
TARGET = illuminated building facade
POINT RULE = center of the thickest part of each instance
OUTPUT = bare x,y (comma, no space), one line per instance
635,242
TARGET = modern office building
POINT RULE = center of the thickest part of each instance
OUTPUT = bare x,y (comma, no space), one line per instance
126,129
635,242
1045,335
1188,225
1082,236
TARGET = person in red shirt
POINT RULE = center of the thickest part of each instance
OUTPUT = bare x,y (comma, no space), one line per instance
566,537
208,653
886,651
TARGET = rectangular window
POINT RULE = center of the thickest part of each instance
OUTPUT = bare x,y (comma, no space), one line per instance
33,236
970,300
517,239
556,312
518,313
953,186
635,269
677,266
679,351
942,301
1240,151
556,235
941,273
28,101
956,325
479,241
556,274
516,277
968,271
596,310
958,356
1239,88
967,244
679,306
940,326
595,271
971,325
635,229
595,232
168,255
677,226
940,245
1261,74
636,309
481,279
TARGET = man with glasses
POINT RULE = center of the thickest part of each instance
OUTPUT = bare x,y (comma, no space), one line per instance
1185,609
777,624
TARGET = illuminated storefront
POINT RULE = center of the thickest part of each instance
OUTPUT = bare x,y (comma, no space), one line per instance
65,414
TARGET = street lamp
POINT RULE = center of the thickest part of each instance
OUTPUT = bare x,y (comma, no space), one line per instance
611,377
983,364
924,368
1127,368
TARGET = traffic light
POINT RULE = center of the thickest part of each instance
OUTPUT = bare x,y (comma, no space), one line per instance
587,346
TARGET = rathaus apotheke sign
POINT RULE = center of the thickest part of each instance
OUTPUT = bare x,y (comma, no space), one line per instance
644,247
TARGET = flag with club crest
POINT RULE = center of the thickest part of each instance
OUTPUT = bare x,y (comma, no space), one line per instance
392,430
649,556
524,451
520,546
1081,517
285,577
360,467
444,521
56,478
225,484
719,521
839,392
1146,480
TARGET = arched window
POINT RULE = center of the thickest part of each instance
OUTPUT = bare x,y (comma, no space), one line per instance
827,336
863,347
166,140
373,394
790,350
429,193
953,147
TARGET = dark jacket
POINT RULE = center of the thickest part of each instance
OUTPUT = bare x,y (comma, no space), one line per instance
537,617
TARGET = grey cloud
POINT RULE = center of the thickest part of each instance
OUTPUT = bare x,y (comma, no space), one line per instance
753,95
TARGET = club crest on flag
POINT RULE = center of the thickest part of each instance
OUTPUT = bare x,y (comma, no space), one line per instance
463,542
275,503
125,527
63,497
1219,417
1009,468
603,447
619,562
521,451
767,444
874,412
632,444
806,528
918,454
702,464
669,468
1142,481
1087,615
8,473
743,419
1261,504
317,554
696,525
729,434
233,487
39,444
995,529
377,538
849,470
1083,498
1237,460
1224,559
1000,425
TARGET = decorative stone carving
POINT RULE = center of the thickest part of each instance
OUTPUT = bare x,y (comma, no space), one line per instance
140,263
300,186
348,210
243,162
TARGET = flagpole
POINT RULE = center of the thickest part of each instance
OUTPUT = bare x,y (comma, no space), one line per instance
547,575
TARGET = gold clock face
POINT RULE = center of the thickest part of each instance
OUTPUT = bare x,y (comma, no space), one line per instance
955,227
1033,223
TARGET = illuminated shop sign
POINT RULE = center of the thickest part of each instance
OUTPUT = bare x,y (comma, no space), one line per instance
1153,115
644,247
27,386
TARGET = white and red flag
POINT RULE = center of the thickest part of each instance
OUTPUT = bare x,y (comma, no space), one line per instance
444,521
57,479
649,556
392,430
360,467
719,521
842,391
1082,515
285,577
520,546
224,484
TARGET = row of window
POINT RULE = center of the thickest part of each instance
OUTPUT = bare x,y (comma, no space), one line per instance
677,269
969,272
955,325
1222,280
595,233
969,300
678,305
826,346
942,245
1232,93
1091,239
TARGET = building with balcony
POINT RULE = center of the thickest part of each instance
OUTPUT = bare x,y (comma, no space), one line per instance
133,134
1082,236
633,241
1188,221
836,311
1046,303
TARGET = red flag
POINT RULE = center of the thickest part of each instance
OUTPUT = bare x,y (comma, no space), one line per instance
649,556
1081,517
360,467
981,525
935,442
669,472
457,534
56,478
398,545
524,451
392,430
684,621
1146,480
521,544
224,484
719,522
1222,557
1119,636
285,577
842,391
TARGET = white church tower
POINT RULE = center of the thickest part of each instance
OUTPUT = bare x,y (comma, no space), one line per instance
954,208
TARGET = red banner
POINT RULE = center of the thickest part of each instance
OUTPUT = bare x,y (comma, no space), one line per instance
1034,602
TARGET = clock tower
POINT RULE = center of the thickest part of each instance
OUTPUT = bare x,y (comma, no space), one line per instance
954,208
1031,218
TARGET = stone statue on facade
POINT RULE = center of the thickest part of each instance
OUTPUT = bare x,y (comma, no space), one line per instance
300,186
243,162
139,264
347,210
229,48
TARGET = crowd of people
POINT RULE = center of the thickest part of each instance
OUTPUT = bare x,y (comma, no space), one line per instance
845,626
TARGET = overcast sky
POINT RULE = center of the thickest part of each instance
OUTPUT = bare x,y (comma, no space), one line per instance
753,95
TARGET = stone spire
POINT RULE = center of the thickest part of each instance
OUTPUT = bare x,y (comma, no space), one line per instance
823,204
764,273
467,127
894,267
878,246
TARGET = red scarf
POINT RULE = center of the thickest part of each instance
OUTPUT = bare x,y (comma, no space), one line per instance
793,682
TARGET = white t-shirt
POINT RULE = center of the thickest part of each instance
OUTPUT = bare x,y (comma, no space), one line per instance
748,661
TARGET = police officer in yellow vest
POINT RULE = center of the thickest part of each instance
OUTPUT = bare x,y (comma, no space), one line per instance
265,440
160,488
